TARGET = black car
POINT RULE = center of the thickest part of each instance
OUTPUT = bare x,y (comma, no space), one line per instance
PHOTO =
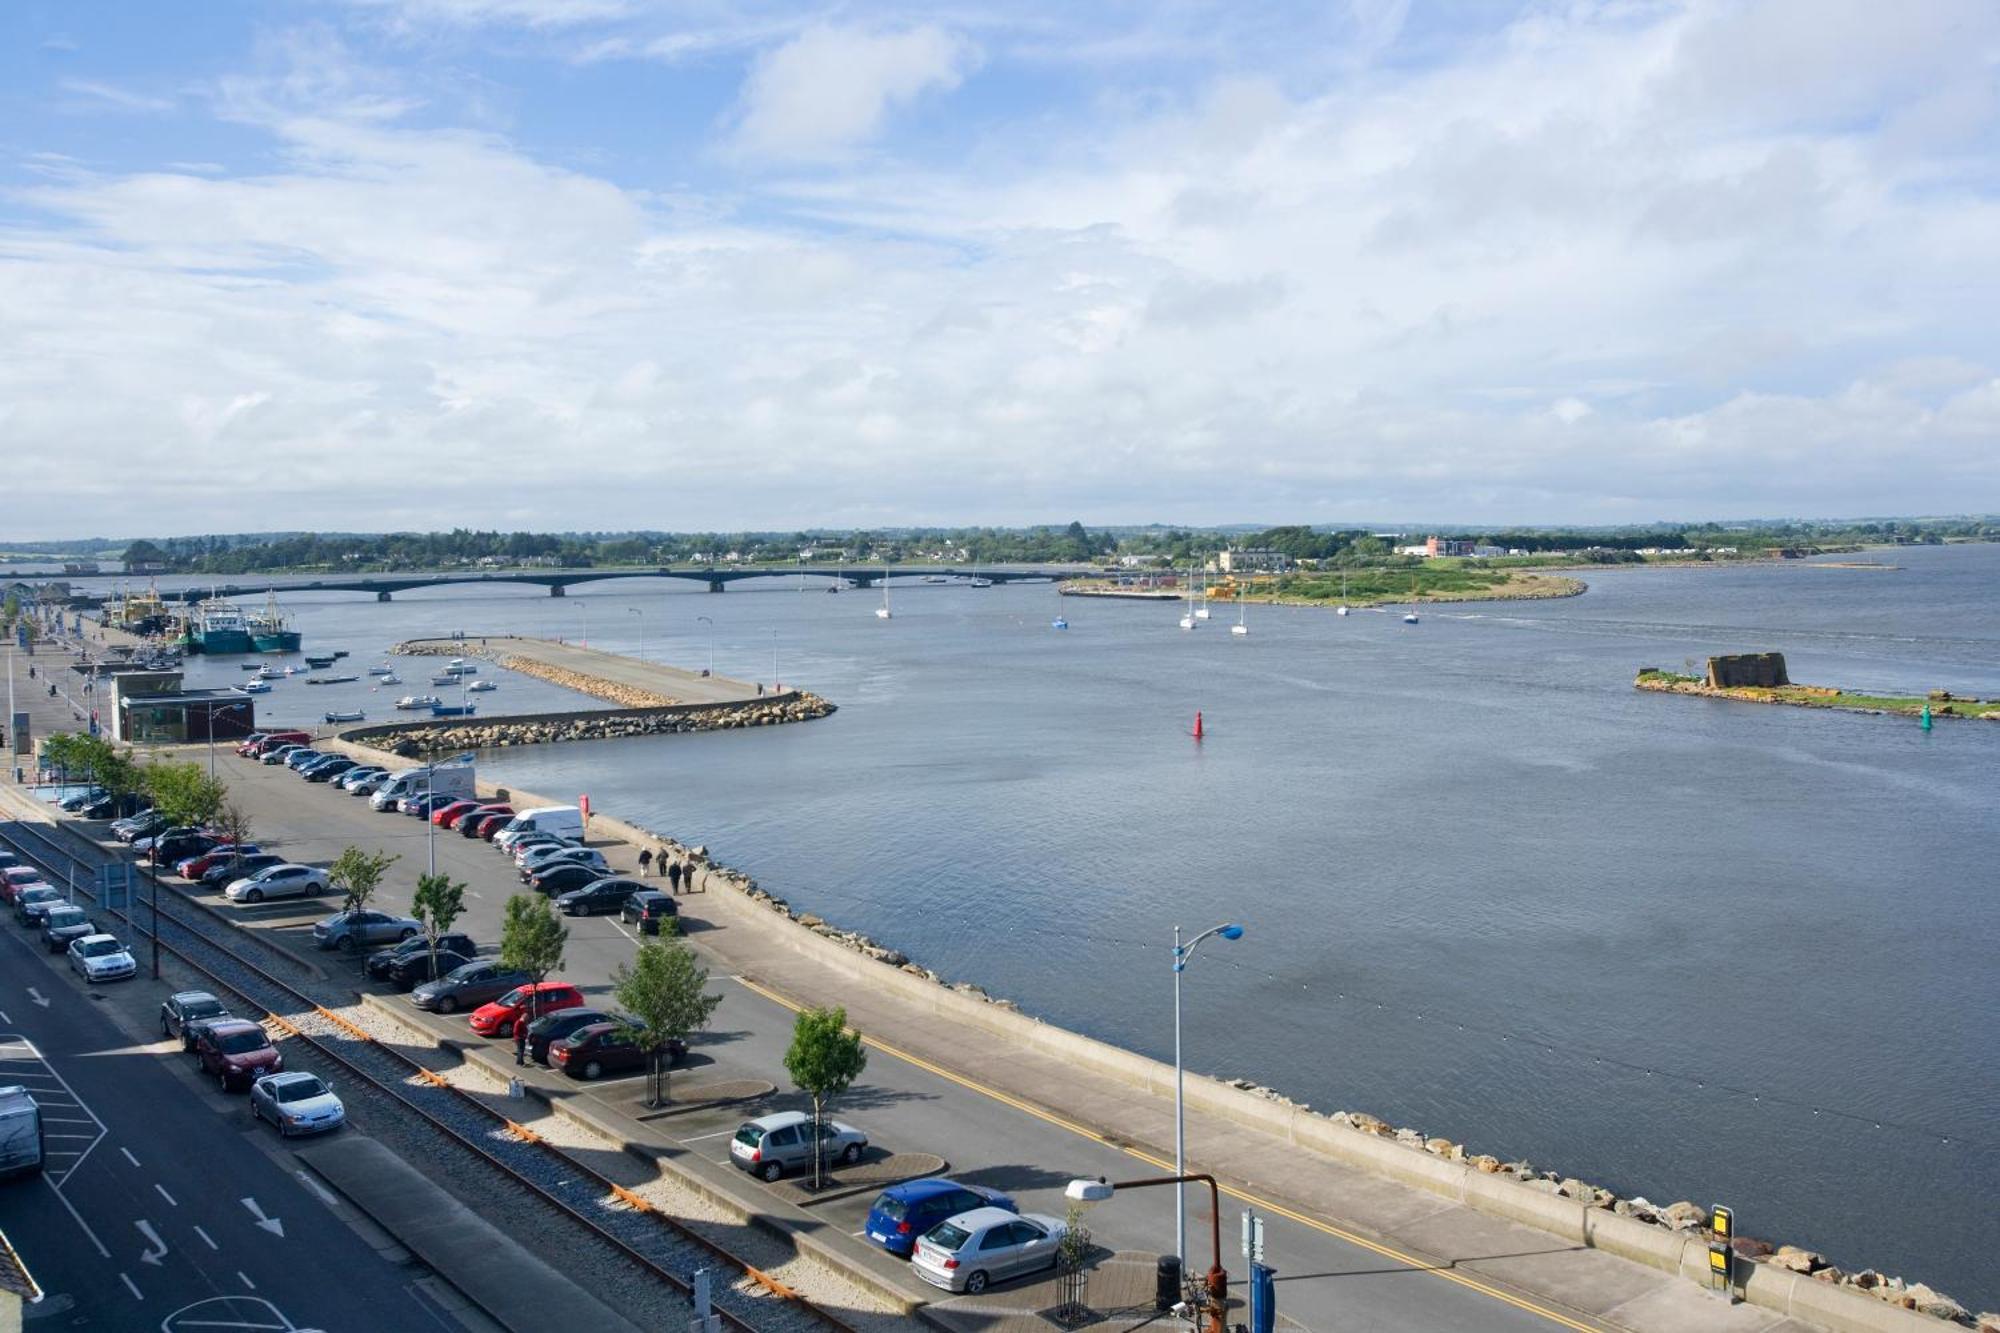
184,1010
554,1027
328,770
219,877
76,800
414,971
104,807
381,965
176,847
605,895
647,909
142,825
560,879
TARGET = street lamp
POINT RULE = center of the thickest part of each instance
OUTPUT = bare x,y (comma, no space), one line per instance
711,643
635,611
1182,953
1087,1191
212,713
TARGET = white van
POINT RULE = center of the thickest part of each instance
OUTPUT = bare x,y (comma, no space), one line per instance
20,1132
564,821
454,780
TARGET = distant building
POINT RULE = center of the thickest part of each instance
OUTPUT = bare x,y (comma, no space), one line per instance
1437,546
1260,560
1489,552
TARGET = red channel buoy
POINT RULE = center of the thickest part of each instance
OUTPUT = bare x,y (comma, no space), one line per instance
1197,724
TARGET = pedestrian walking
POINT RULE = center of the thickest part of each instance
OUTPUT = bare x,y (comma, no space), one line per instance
645,861
674,877
521,1040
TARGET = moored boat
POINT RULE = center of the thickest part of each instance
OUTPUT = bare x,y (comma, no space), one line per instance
481,686
219,629
453,710
271,629
331,680
353,715
416,701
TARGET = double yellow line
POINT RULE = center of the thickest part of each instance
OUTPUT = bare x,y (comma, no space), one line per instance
1255,1201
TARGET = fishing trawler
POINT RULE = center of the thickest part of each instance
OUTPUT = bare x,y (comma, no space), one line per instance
271,629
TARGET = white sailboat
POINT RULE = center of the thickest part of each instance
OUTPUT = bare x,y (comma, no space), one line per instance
1188,621
1343,594
1201,612
1239,627
1061,621
882,611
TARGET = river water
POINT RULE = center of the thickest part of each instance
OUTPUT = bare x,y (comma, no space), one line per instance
1681,948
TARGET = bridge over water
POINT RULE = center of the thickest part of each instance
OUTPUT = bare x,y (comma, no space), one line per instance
558,581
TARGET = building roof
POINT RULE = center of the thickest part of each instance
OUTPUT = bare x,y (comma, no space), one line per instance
190,697
14,1275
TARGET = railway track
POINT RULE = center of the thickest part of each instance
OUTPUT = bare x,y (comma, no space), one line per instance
643,1237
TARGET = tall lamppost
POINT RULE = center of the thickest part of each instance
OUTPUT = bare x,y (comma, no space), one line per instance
212,714
1215,1283
711,643
635,611
1182,953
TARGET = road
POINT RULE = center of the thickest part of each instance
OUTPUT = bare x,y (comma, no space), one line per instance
161,1194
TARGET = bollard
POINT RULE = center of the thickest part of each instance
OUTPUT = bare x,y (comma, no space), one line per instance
514,1089
1167,1282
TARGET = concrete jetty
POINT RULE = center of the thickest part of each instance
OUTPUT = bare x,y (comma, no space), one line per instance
633,682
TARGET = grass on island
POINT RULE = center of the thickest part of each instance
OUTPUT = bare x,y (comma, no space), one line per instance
1825,696
1444,580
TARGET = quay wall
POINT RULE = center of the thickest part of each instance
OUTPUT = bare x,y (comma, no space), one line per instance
408,739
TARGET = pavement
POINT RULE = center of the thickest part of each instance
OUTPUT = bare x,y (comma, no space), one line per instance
691,687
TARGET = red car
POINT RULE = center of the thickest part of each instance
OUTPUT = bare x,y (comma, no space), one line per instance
499,1018
447,816
194,867
491,822
15,878
237,1051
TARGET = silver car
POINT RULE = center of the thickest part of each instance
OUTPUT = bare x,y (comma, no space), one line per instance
101,958
351,930
771,1145
290,880
296,1103
966,1252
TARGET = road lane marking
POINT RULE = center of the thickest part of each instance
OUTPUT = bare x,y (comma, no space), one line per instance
38,997
5,1019
102,1252
718,1134
1327,1228
205,1239
246,1279
325,1196
270,1224
129,1157
164,1195
131,1286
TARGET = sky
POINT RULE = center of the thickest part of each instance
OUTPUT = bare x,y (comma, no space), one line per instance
702,264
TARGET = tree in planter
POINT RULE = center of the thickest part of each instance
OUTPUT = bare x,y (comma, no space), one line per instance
439,902
357,874
824,1060
661,989
1072,1267
234,826
532,939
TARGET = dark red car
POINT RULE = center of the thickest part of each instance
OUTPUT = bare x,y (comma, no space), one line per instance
490,822
237,1051
589,1053
447,816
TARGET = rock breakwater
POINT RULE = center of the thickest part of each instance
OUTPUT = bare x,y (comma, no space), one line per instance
417,738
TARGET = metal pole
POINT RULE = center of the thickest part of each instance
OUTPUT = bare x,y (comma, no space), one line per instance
774,659
711,644
153,871
430,829
1180,1118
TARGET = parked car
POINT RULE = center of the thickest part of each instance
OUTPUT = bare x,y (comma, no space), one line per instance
523,850
986,1245
498,1018
33,903
278,740
445,816
360,773
223,874
194,867
419,804
349,931
64,925
296,1103
554,1027
104,807
288,879
605,895
76,800
904,1212
381,965
589,1053
489,827
468,987
8,860
647,909
419,969
16,878
328,769
474,823
248,745
279,754
101,958
169,848
237,1051
563,877
367,783
568,856
771,1145
299,758
142,825
180,1011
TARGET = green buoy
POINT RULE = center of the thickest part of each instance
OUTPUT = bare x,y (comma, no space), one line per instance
1927,717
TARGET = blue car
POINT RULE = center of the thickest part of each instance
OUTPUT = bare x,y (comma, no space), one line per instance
904,1212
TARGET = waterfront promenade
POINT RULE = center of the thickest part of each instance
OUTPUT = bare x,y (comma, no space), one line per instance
553,659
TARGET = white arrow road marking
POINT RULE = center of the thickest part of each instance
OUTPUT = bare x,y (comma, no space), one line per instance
38,997
270,1224
156,1249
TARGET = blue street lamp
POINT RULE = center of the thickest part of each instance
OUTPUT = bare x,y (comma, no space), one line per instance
1182,953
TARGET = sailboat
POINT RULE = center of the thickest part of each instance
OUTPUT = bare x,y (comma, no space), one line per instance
1188,621
1239,627
1343,594
882,611
1410,616
1061,621
1201,612
839,579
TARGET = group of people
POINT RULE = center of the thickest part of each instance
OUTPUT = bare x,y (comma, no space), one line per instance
680,878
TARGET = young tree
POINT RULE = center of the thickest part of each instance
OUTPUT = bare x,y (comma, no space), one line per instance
661,989
532,938
357,874
234,826
439,901
183,793
824,1060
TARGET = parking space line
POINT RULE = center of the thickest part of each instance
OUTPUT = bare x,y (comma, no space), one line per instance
205,1239
131,1286
129,1157
164,1195
720,1133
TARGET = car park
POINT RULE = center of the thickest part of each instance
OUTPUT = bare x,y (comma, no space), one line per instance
236,1051
296,1103
329,769
288,879
381,965
352,930
598,898
445,816
33,903
522,1005
554,1027
771,1145
649,910
986,1245
468,987
101,958
904,1212
194,867
65,924
589,1053
226,873
142,825
475,823
562,878
181,1012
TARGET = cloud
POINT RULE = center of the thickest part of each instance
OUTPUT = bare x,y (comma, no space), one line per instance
91,95
830,88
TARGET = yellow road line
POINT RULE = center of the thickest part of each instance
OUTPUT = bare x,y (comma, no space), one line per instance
1257,1201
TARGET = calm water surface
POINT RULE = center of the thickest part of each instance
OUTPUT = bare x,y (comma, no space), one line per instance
1681,948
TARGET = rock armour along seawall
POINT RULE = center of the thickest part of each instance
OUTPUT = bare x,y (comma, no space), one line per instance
415,738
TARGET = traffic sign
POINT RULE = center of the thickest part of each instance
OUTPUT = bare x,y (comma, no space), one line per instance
114,886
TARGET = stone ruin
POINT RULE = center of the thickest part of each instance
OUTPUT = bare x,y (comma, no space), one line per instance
1763,670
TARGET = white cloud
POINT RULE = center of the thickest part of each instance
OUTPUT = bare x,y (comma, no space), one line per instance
830,88
92,95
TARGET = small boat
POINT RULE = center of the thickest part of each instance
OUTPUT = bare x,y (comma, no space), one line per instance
391,679
269,672
481,686
936,578
1410,618
319,663
444,678
1342,609
355,715
982,583
383,670
339,653
331,680
1189,621
248,666
1059,622
1239,627
1416,586
255,687
882,611
415,701
453,710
